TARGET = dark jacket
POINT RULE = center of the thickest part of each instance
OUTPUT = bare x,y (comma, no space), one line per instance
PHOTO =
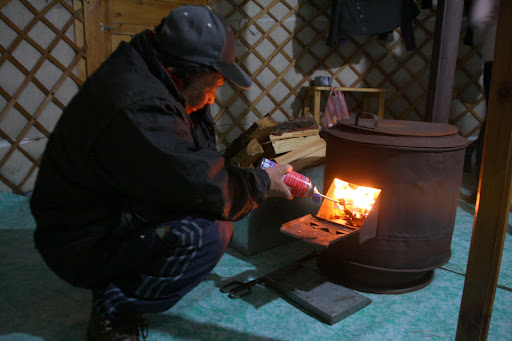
368,17
126,154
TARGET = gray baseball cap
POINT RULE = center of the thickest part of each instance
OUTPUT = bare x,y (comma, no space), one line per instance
198,34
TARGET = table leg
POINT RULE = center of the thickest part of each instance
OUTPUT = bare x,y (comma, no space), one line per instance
380,112
316,109
364,107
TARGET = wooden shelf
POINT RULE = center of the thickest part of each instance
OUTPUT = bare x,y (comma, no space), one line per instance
316,93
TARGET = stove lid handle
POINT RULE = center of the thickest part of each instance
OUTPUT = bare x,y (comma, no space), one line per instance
375,119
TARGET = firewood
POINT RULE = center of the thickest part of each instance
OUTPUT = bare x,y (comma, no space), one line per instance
248,155
259,130
297,124
308,155
292,134
286,145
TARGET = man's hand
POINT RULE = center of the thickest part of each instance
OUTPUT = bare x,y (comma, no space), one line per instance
277,186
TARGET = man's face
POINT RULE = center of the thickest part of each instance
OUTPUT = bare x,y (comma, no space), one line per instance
201,91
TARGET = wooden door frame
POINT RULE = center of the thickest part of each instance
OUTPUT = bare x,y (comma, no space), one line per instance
494,193
96,38
97,28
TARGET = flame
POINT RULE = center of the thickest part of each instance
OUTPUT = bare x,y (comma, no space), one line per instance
355,201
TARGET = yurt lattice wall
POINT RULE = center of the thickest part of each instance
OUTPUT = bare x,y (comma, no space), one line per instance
42,52
281,44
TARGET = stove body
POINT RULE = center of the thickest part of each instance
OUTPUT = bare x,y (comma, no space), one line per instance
418,168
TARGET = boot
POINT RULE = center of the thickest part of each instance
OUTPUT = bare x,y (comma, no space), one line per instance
126,329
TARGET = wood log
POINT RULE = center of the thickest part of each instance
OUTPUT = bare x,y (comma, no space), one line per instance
248,155
309,154
297,124
259,130
286,145
292,134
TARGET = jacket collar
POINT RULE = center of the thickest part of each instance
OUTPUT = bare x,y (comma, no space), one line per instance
142,43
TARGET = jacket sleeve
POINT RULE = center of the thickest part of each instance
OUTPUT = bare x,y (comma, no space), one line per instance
148,155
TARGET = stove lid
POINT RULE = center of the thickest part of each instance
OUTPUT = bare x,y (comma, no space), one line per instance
398,132
397,127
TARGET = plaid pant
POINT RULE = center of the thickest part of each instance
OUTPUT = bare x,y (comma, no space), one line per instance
150,270
182,254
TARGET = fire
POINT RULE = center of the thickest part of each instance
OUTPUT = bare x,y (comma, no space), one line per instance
355,202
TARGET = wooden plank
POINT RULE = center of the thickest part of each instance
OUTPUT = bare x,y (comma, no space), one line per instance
304,156
95,39
283,146
148,12
292,134
493,200
314,158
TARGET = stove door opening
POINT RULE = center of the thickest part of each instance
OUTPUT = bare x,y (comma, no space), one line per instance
336,220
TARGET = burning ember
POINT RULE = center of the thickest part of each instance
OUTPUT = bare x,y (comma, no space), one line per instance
354,202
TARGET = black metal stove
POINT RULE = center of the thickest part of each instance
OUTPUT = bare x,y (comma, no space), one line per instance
418,168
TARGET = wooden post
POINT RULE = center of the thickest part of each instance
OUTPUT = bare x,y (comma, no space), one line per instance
444,60
316,108
493,200
95,38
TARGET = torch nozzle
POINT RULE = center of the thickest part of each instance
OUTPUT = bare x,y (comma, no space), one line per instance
317,192
326,197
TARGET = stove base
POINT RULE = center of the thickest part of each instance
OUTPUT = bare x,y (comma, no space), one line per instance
379,281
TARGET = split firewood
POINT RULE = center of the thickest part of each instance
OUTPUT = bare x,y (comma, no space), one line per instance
259,131
248,155
285,145
297,124
293,134
307,155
